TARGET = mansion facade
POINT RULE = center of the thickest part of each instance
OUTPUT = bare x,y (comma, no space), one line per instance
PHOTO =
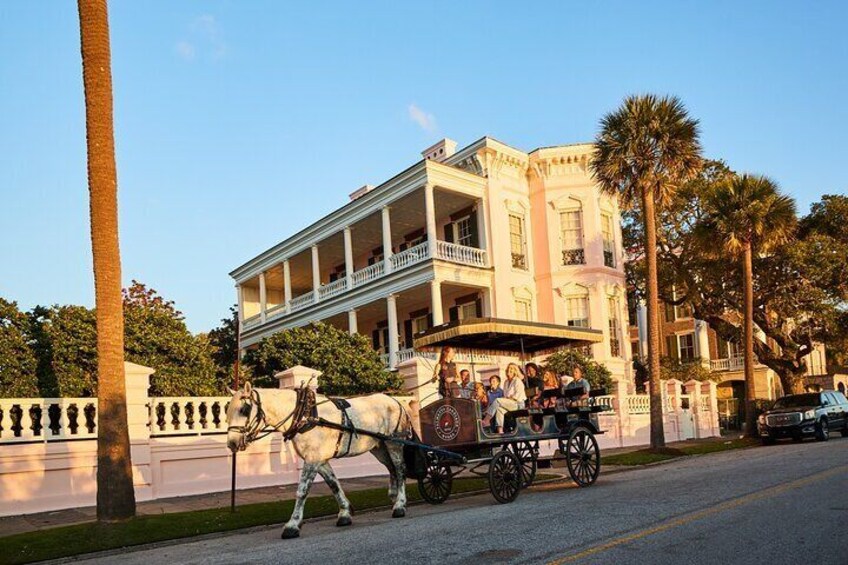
487,230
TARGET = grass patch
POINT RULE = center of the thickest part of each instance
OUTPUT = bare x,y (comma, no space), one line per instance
90,537
646,456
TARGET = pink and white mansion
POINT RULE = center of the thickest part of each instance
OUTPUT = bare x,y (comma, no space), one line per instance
485,230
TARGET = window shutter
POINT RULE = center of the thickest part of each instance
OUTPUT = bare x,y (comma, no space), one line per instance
475,236
429,321
449,233
403,247
671,346
478,305
407,332
370,261
375,339
669,312
453,313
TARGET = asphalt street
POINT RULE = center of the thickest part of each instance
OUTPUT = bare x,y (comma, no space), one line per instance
782,504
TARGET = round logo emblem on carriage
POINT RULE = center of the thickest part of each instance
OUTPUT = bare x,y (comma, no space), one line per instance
447,422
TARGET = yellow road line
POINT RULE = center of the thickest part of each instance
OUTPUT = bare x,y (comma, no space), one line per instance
730,504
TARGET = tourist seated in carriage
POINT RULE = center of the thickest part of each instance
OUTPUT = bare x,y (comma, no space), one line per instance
466,387
480,395
579,382
514,398
495,391
549,382
532,383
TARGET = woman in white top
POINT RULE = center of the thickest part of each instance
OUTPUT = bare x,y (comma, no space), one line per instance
513,399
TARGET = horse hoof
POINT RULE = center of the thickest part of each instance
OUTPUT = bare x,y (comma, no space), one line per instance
344,521
289,533
399,513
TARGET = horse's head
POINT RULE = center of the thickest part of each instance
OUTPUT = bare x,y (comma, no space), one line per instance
244,418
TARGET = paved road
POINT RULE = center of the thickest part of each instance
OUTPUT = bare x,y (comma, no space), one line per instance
781,504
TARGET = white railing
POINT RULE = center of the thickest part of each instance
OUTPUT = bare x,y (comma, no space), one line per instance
461,254
302,301
477,358
188,415
607,400
638,404
334,288
410,256
47,419
464,358
251,321
367,274
727,364
275,310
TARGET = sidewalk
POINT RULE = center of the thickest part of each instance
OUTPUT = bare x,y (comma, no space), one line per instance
11,525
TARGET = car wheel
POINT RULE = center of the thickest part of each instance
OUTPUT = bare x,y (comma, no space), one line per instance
822,433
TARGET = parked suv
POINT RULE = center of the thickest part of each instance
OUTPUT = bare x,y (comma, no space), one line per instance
799,415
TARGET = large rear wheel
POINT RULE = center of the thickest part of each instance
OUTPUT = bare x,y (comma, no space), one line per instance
505,476
436,483
583,456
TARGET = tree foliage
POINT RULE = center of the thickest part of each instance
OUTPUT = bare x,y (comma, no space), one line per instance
224,342
17,360
348,362
685,371
563,362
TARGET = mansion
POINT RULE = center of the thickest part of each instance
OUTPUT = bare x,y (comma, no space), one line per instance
487,230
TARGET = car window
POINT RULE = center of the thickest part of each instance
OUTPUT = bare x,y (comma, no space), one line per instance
825,399
832,398
797,401
840,397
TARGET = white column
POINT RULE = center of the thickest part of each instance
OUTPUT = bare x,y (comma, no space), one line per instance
430,214
352,322
240,297
702,339
316,272
348,252
642,324
287,290
391,306
387,240
482,223
263,300
436,302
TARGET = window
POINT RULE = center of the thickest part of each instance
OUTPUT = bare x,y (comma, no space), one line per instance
516,242
571,234
419,324
669,312
607,234
614,326
731,350
686,347
577,311
463,233
523,310
467,310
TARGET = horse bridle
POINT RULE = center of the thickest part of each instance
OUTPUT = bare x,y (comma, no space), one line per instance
255,425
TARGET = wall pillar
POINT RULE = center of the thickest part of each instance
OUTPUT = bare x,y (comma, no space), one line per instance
287,290
436,302
137,381
430,214
352,322
387,240
316,272
240,298
391,307
294,377
702,340
348,253
263,298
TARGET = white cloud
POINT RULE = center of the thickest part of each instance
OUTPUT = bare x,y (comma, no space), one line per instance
425,121
185,50
204,39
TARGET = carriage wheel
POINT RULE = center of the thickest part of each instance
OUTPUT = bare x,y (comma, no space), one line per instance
505,476
436,483
583,456
527,455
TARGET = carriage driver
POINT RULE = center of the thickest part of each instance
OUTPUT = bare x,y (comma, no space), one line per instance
513,399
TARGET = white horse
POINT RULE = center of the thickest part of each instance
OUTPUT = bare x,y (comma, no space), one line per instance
252,410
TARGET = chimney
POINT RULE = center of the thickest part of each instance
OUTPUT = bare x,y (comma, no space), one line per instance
440,151
361,191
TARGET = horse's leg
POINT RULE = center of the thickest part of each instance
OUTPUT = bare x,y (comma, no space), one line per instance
307,475
344,505
396,453
382,455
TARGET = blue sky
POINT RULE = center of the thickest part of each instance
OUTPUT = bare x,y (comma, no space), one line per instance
239,123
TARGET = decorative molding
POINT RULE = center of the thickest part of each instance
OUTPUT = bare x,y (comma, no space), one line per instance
571,289
568,201
523,293
516,206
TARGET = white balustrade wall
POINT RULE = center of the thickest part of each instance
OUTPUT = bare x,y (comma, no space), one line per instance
48,447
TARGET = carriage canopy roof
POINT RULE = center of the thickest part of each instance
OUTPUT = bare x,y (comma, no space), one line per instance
505,336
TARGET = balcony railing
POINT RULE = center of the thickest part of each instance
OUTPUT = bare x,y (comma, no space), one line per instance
461,357
573,257
456,253
334,288
728,364
302,301
609,258
368,274
275,310
519,261
410,256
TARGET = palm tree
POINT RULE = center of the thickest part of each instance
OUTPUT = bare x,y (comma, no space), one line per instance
645,150
751,216
115,495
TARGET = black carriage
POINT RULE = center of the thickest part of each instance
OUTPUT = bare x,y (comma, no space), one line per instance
453,438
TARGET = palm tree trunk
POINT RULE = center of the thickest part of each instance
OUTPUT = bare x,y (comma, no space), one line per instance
748,337
115,495
657,431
